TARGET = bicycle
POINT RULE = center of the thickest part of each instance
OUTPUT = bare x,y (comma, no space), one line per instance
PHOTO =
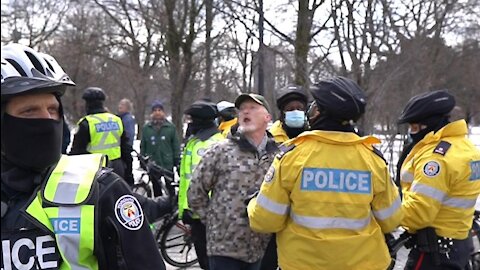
173,237
474,262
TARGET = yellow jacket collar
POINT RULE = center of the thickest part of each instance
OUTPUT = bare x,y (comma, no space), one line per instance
278,132
457,128
226,124
336,137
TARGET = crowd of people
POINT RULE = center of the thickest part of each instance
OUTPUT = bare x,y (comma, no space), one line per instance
306,192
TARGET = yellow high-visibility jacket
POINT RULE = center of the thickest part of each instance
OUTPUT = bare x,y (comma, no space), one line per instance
330,199
278,133
440,181
226,126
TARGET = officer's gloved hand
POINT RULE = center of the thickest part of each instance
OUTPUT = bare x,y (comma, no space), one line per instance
390,240
252,193
187,217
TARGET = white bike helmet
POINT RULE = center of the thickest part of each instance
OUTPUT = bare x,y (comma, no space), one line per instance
25,70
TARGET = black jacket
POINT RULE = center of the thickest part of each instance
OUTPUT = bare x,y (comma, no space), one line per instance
116,247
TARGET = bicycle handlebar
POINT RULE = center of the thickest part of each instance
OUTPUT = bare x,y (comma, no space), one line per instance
149,165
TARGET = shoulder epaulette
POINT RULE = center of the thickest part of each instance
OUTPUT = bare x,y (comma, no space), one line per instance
442,148
283,149
379,153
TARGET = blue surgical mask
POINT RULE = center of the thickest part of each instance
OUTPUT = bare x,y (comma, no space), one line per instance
295,119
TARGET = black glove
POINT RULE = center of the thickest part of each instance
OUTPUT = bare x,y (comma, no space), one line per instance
187,217
250,195
390,240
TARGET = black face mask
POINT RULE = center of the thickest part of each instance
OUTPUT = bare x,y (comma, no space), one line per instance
33,144
434,123
198,124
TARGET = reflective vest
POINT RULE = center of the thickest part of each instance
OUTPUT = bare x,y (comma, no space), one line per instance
192,155
63,208
105,132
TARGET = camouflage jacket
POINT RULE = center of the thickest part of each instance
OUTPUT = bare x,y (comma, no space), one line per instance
230,169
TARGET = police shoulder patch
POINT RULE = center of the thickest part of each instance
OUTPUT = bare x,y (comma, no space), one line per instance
269,175
129,212
431,168
442,148
284,149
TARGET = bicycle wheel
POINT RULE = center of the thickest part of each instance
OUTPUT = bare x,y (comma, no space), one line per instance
176,245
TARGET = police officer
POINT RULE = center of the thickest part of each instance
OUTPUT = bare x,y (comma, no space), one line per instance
292,103
59,212
102,132
440,183
329,211
204,133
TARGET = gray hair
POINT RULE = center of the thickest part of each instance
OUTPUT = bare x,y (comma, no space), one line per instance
128,103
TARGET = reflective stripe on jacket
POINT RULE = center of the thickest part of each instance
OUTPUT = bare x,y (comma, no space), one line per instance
441,183
192,154
105,132
61,206
278,133
330,199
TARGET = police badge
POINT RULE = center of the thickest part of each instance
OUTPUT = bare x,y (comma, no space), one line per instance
269,175
129,212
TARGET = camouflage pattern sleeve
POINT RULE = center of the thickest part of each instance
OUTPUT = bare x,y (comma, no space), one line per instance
202,182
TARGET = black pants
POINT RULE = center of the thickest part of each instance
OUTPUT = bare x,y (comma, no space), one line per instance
199,236
270,258
457,257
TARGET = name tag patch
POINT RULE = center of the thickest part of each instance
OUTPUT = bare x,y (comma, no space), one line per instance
336,180
107,126
475,167
129,212
66,225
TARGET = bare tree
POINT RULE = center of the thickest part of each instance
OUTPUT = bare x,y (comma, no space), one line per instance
33,21
208,46
180,22
138,36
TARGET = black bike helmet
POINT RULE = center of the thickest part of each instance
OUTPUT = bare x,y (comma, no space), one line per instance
93,93
427,105
289,93
202,109
26,70
340,98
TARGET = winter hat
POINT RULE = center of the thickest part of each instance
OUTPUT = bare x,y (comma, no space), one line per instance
201,109
157,104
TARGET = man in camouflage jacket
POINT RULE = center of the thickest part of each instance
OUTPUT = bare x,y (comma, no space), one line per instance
230,170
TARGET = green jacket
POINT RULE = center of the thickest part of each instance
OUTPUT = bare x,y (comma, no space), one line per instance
161,145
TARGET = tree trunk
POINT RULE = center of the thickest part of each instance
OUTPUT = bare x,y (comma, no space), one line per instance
302,42
208,44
